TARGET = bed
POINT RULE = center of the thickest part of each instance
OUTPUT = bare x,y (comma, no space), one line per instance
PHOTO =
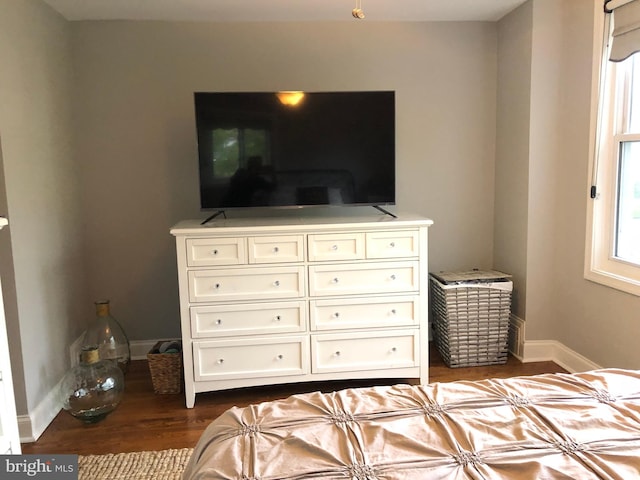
554,426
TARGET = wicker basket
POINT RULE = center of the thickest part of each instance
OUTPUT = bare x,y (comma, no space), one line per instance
470,313
166,370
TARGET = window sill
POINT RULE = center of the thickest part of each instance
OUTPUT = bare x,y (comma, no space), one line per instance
624,284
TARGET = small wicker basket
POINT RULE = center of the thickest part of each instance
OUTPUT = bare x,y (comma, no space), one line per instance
166,370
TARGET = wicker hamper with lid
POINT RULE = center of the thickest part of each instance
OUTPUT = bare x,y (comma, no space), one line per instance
470,313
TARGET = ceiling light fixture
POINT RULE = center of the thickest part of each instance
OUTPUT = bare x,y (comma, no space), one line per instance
290,98
357,12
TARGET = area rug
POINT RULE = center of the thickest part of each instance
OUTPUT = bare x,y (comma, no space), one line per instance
156,465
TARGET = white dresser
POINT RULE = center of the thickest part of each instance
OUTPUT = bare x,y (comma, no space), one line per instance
282,300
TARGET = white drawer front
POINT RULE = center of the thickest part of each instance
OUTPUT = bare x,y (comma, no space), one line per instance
250,358
392,244
245,284
276,249
336,246
248,319
390,277
368,312
364,351
202,252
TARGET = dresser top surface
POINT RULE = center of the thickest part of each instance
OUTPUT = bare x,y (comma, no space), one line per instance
301,223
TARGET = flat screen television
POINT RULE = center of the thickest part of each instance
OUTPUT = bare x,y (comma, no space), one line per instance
261,149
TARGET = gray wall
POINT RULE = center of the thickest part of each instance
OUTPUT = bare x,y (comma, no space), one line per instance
545,157
136,133
544,139
512,150
42,262
99,159
601,323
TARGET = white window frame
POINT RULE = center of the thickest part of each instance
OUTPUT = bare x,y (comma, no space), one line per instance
601,265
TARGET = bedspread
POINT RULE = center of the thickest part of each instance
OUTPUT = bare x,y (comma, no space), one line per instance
555,426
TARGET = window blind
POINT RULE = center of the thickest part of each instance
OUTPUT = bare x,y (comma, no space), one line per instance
625,36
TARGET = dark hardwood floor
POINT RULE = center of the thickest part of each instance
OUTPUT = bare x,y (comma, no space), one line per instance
146,421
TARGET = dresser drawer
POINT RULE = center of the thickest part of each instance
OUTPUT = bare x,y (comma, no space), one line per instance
369,312
392,244
250,358
248,319
336,246
245,284
276,249
351,279
203,252
364,351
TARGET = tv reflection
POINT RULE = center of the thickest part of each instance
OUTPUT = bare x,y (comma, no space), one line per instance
250,186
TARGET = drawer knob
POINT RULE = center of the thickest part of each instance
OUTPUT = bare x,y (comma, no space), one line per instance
219,321
335,280
392,244
220,361
276,249
393,277
394,349
334,247
217,285
336,315
214,252
280,357
337,353
278,318
393,311
277,283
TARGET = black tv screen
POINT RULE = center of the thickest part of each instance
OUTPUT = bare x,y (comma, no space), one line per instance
330,148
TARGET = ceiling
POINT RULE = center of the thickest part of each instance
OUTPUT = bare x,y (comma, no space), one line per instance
284,10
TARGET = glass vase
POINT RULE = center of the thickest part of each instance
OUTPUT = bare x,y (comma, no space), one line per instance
108,335
92,389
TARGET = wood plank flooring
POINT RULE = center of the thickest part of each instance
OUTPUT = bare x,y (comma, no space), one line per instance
146,421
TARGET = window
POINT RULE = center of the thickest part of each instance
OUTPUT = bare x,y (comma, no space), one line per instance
233,147
613,240
627,233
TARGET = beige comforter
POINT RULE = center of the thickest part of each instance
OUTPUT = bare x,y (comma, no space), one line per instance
580,426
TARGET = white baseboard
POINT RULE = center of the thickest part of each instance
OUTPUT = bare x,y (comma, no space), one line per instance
31,426
544,350
551,350
34,424
140,348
